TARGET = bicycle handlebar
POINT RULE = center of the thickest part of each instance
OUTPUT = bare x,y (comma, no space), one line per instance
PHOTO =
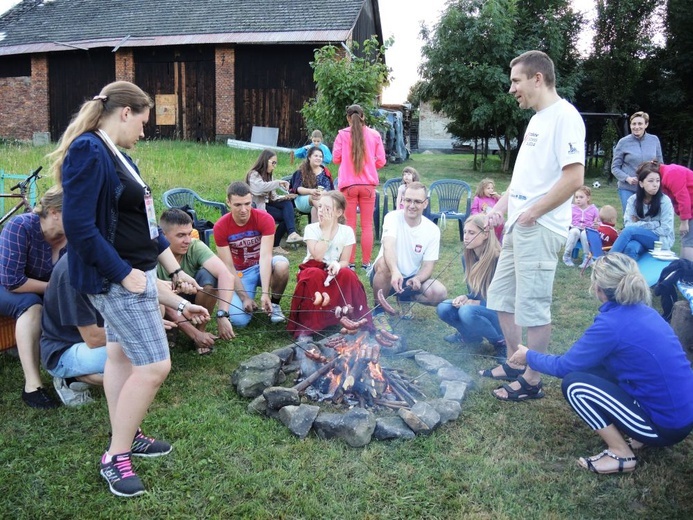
25,182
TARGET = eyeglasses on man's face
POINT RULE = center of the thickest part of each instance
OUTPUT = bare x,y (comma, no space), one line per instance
416,202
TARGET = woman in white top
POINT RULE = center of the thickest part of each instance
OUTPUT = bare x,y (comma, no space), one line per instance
329,243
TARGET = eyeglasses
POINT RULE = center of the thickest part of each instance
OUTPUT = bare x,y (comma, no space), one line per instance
273,163
414,201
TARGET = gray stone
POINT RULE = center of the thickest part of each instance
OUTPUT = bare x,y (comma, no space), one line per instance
255,374
392,427
454,390
454,374
291,367
447,409
427,414
278,397
281,377
413,421
355,427
299,419
327,425
258,405
286,354
430,362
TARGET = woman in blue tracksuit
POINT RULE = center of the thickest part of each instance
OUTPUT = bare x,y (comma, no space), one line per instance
627,374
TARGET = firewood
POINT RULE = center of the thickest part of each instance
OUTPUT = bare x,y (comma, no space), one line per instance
316,375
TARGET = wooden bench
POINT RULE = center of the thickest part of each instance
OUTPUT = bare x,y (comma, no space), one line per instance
7,339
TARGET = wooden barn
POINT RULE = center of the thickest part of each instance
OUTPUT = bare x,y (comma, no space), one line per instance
215,68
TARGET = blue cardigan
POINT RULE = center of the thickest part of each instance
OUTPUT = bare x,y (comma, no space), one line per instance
91,189
640,352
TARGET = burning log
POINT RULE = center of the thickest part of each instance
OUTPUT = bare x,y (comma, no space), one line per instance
395,405
399,389
316,375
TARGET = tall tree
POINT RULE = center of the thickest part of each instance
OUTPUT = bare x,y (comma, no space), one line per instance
466,59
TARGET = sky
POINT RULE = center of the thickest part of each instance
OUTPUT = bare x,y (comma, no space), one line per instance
402,19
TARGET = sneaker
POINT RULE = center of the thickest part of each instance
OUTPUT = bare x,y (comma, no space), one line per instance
120,476
454,338
75,394
39,398
568,261
279,251
143,446
366,267
277,314
294,238
352,267
380,322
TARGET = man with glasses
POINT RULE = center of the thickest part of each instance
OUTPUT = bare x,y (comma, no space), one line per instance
408,253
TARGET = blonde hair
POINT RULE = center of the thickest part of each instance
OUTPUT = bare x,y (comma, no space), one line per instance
642,114
482,186
587,191
608,215
618,276
317,134
339,202
415,177
52,199
480,263
112,97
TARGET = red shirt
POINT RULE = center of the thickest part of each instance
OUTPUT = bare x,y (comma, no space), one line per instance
608,234
244,241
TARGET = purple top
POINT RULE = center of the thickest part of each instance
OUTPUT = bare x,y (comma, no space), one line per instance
584,218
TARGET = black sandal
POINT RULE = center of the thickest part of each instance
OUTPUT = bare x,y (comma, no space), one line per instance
586,463
511,374
525,392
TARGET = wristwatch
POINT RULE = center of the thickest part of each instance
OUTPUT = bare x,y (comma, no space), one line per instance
222,314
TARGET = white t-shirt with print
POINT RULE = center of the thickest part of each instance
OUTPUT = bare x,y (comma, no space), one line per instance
344,237
555,138
413,245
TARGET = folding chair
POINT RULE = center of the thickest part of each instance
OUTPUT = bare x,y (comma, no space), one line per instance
181,197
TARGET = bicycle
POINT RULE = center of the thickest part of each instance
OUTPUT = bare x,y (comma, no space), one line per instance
23,202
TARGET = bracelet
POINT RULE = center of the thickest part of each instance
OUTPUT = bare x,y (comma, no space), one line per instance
181,307
174,273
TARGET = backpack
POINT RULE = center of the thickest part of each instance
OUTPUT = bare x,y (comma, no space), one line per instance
678,270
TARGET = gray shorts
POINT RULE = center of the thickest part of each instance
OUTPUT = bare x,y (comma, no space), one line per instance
523,283
134,321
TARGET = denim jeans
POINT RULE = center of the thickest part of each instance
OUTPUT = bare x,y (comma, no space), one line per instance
624,195
634,241
473,322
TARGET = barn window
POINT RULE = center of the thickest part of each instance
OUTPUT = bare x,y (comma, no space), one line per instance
14,66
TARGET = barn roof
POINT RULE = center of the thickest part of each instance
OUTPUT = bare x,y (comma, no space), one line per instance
58,25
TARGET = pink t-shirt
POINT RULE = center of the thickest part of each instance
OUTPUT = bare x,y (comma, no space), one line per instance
244,241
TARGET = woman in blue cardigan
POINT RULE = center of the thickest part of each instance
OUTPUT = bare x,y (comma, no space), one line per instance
627,375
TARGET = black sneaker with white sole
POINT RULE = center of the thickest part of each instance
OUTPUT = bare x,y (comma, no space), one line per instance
120,476
39,398
143,446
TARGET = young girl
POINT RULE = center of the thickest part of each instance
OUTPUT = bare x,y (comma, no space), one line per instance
484,200
585,215
308,182
409,175
329,243
359,152
468,313
649,215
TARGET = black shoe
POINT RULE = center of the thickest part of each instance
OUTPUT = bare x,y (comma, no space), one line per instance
39,398
120,476
148,447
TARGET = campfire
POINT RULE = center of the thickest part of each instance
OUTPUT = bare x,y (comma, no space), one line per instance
346,370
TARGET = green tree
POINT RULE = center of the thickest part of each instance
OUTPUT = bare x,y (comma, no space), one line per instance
358,77
467,56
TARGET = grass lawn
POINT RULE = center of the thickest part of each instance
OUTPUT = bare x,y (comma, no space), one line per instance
499,460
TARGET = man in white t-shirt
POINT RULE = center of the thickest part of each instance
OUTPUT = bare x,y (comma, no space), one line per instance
408,253
548,170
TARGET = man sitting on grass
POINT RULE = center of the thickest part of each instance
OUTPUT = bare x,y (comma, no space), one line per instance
244,239
200,262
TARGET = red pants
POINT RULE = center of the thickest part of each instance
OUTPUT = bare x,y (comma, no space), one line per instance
363,197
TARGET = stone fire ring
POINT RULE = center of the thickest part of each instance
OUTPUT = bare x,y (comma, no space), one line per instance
258,378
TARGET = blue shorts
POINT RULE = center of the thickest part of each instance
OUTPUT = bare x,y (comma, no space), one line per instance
250,278
134,321
80,360
16,304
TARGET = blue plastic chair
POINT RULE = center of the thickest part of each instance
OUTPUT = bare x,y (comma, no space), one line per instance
181,197
446,200
390,189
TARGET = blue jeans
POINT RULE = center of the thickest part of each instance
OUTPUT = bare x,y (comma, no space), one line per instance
473,322
634,241
283,214
250,278
624,195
